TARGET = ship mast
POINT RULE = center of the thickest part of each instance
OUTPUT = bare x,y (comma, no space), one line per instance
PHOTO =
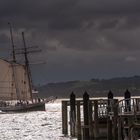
27,66
13,62
12,41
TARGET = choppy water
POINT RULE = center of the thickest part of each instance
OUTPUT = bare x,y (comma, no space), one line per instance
33,125
40,125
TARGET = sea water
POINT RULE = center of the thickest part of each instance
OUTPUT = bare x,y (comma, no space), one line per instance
40,125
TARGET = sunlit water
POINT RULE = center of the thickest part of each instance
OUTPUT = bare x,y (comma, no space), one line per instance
39,125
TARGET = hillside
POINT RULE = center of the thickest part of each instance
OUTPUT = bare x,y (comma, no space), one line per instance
95,87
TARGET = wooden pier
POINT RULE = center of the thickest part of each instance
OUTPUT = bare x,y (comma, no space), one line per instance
101,119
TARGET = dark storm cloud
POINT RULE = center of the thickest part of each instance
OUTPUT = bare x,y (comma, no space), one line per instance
65,14
3,38
59,18
77,33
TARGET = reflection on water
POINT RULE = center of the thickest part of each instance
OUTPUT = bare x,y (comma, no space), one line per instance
33,125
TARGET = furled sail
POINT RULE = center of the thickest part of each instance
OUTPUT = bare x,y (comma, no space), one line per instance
14,83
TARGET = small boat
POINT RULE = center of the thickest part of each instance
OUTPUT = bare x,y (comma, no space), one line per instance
16,90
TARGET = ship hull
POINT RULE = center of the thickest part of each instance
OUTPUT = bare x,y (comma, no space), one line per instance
25,108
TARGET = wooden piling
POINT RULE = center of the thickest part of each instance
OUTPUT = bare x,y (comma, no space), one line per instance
127,96
64,118
109,129
110,100
115,120
79,137
120,133
109,116
72,115
86,117
91,134
96,125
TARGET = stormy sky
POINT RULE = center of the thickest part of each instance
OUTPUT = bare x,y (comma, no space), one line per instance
79,39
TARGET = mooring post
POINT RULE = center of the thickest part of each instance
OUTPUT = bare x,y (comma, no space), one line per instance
127,96
64,118
86,116
79,137
120,129
109,116
72,115
115,120
137,105
96,127
91,134
110,101
109,129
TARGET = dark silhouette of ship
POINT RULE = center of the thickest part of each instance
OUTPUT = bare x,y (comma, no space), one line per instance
16,90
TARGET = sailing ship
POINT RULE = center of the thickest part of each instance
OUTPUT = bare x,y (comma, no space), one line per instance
16,90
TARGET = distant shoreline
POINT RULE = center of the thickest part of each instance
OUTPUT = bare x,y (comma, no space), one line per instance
119,98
